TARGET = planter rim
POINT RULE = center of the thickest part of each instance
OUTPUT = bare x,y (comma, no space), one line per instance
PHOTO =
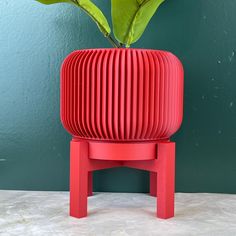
123,49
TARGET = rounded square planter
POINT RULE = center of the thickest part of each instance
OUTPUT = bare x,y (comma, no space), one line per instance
121,95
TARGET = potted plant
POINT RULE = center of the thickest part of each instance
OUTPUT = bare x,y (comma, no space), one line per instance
121,105
129,18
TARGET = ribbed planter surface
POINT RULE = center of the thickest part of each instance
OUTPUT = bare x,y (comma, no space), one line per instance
121,94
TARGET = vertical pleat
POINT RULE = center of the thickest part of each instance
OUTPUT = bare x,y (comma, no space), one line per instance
75,88
109,93
69,102
93,95
165,95
134,95
116,100
160,93
145,98
83,91
121,94
150,95
128,93
140,94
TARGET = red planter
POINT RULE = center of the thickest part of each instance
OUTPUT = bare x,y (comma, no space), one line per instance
121,94
121,106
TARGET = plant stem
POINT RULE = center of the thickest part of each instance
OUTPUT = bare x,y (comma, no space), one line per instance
113,42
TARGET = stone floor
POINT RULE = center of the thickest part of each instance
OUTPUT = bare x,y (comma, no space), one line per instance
117,214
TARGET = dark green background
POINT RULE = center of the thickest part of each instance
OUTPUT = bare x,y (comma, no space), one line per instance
34,39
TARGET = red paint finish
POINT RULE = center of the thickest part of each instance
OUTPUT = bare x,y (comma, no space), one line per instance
121,94
121,106
153,184
90,183
78,179
166,180
162,178
130,151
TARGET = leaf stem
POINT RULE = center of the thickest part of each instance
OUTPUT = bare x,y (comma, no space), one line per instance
112,41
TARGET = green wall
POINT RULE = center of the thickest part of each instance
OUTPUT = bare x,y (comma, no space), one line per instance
34,39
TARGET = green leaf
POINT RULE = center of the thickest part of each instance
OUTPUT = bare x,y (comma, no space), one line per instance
90,8
48,2
131,17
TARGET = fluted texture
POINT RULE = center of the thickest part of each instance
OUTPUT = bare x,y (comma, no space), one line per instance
121,94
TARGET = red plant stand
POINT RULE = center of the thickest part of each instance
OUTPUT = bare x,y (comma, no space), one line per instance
121,107
160,161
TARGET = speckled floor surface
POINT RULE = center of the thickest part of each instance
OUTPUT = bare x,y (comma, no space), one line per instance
116,214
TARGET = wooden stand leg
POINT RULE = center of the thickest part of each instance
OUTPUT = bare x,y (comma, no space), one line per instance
78,179
90,183
153,184
165,180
